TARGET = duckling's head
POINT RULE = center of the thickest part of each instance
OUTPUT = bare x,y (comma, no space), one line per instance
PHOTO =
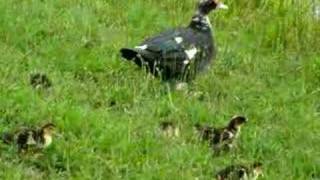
48,129
237,121
257,169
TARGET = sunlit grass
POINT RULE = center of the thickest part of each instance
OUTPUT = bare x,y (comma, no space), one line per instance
268,68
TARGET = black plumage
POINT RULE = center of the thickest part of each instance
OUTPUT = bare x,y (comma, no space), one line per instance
180,53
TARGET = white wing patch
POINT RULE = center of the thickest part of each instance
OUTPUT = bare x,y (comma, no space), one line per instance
191,53
178,39
197,19
143,47
186,62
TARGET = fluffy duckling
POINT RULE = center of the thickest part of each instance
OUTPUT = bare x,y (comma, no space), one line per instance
169,129
240,172
28,137
39,80
222,138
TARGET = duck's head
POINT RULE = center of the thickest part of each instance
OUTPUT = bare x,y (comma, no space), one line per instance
257,169
48,129
206,6
237,121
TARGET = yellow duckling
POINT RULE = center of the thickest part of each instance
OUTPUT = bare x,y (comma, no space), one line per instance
26,138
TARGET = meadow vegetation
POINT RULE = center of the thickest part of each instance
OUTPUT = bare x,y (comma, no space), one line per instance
108,111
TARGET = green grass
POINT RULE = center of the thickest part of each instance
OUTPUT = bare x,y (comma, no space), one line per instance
268,68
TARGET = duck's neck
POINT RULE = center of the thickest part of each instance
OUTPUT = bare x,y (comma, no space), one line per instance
200,22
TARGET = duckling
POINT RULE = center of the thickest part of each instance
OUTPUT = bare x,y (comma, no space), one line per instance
29,137
222,138
169,129
240,172
39,80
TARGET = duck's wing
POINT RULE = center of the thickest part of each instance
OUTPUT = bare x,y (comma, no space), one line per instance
170,52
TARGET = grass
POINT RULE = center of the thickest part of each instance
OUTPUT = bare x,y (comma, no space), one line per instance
268,68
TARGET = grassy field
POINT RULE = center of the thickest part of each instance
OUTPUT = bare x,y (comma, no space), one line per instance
268,69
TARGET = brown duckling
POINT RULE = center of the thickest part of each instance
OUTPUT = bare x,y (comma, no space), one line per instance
39,80
26,138
169,129
222,138
240,172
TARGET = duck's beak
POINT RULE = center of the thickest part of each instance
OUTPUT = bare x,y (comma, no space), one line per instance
222,6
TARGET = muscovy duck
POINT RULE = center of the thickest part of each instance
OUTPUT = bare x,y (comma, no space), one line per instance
181,53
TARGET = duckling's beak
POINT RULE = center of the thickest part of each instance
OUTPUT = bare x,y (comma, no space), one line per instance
222,6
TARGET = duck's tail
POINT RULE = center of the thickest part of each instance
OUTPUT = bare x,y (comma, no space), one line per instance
129,54
139,55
